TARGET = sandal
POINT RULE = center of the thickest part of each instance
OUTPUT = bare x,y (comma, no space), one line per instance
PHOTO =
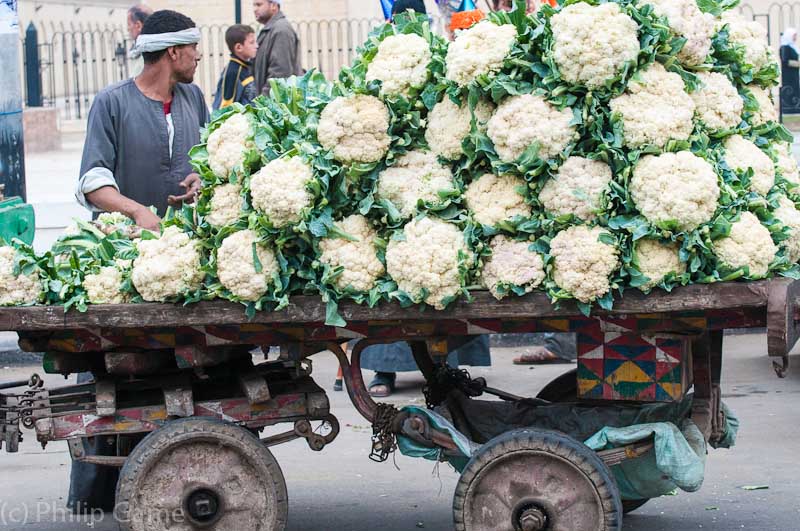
382,385
539,356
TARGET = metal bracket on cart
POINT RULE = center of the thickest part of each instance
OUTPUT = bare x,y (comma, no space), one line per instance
12,407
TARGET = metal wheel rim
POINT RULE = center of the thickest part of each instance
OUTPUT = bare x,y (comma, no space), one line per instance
526,479
245,499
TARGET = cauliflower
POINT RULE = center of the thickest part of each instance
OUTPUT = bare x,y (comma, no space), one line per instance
656,260
655,108
415,176
236,267
512,263
426,263
748,245
686,20
577,188
752,36
225,205
167,267
228,144
479,50
449,125
355,128
788,214
114,218
766,108
16,289
592,44
676,188
103,287
786,164
279,190
519,121
742,154
717,102
493,199
360,265
582,263
401,64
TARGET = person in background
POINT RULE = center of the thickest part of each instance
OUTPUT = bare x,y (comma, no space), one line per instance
278,45
237,84
137,15
790,72
135,155
401,6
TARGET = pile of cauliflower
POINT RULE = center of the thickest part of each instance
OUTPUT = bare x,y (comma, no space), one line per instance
581,150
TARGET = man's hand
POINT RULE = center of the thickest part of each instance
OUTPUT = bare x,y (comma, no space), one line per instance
192,185
145,218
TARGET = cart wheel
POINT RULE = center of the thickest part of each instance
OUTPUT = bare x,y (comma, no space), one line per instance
200,473
536,480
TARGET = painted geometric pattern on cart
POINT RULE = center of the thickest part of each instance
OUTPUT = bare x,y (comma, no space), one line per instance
102,339
625,366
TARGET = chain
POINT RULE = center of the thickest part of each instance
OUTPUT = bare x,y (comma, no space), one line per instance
384,442
447,379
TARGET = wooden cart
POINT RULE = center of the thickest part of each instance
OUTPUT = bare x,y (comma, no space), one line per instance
177,389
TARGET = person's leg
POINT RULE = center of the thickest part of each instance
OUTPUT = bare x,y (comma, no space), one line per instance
557,348
382,385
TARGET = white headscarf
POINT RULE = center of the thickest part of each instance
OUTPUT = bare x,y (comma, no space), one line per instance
787,38
155,42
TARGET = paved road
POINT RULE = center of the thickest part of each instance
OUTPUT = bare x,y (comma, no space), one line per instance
340,489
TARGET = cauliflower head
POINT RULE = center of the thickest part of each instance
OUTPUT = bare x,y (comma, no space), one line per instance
519,121
449,125
787,164
279,190
752,36
654,108
355,128
748,245
225,205
479,50
675,187
717,102
236,268
401,64
512,263
228,144
766,108
426,263
742,154
361,268
592,44
582,263
167,267
415,176
17,289
103,287
686,20
493,199
657,260
788,214
577,188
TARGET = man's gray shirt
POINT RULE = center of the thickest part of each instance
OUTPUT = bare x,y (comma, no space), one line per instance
278,52
128,143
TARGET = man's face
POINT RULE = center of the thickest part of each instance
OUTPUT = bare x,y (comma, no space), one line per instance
264,10
184,62
134,27
248,49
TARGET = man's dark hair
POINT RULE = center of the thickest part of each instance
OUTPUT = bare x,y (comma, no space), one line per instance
237,34
139,13
164,21
401,6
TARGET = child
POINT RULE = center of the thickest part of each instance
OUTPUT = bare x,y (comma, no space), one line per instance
236,83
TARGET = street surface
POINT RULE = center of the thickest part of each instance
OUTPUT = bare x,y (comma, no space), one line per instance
341,489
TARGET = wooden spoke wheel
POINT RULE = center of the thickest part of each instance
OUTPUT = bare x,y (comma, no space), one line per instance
536,480
200,473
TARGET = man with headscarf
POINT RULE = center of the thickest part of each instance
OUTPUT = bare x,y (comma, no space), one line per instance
140,131
790,72
137,15
135,155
